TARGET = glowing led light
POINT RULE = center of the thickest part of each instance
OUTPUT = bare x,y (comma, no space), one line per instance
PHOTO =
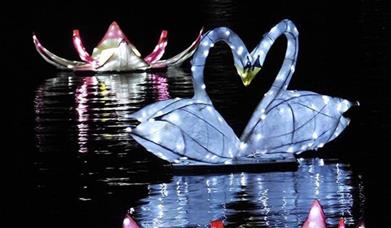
180,146
113,51
174,117
242,146
292,114
240,50
339,107
258,136
206,53
326,99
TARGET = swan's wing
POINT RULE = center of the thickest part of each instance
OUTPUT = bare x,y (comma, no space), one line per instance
53,59
181,57
184,131
296,121
159,49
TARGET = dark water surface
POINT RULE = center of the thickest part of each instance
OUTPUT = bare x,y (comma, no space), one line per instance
74,164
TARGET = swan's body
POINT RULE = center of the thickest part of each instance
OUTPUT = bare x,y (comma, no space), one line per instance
115,53
185,131
284,121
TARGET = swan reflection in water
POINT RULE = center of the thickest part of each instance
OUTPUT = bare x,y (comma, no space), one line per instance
279,199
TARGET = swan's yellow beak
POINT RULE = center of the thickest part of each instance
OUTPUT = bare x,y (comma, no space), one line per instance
247,75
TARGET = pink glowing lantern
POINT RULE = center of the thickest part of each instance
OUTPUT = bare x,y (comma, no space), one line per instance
217,224
316,217
116,53
341,223
129,222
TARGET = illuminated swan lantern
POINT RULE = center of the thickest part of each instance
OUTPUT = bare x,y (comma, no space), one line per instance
115,53
191,131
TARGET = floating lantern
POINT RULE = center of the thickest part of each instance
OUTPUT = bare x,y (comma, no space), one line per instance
115,53
191,131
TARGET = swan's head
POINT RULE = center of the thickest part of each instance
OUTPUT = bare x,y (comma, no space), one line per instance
247,74
248,69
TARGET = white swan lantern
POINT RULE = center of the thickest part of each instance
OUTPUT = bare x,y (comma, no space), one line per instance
191,131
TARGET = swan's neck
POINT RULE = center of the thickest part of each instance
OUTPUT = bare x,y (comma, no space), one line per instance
284,75
247,65
287,28
240,55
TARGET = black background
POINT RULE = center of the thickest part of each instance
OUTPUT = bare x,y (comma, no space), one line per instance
344,51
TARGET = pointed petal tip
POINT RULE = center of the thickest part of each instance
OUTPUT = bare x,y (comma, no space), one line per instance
76,32
216,224
129,222
316,209
341,223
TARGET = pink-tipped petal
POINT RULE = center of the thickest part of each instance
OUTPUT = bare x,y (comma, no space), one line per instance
53,59
129,222
78,44
181,57
316,217
159,49
341,223
360,224
217,224
114,32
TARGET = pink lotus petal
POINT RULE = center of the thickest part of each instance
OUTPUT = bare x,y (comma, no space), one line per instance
341,223
129,222
217,224
114,32
78,44
179,58
316,217
159,49
360,224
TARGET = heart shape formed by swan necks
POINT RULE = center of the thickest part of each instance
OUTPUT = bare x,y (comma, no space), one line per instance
191,131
